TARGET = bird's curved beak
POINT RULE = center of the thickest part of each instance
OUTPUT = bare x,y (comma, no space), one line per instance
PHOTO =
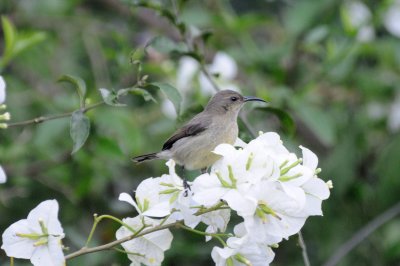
252,98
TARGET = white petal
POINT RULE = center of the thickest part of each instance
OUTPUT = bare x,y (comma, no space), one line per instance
16,246
207,190
224,149
2,90
313,206
151,246
243,205
239,143
309,158
159,210
127,198
148,190
316,187
49,255
48,212
3,177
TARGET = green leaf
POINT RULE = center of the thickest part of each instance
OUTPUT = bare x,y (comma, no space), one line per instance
172,94
110,97
10,36
16,43
27,40
286,119
79,84
144,93
79,130
166,46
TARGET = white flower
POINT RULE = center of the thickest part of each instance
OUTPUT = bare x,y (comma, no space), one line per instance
148,249
242,249
147,199
278,214
3,177
165,195
38,237
224,68
209,189
2,90
358,18
179,199
187,69
392,19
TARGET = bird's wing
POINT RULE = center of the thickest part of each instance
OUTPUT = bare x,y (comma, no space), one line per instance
192,128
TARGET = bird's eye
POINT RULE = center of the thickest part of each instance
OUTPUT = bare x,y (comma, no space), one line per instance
234,98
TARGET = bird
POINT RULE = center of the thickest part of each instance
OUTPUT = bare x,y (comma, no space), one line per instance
191,145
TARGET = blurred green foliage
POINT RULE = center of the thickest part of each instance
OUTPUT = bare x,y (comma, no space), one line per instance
305,57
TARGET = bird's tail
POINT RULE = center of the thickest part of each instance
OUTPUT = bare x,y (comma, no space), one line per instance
145,157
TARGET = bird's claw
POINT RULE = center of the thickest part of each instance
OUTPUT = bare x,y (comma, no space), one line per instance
186,187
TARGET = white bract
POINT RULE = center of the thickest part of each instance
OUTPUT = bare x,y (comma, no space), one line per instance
38,237
148,249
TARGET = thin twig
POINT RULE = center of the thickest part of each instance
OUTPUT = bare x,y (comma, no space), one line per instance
110,245
304,250
363,233
86,250
42,119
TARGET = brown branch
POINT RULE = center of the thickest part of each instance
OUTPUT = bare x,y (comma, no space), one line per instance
110,245
86,250
42,119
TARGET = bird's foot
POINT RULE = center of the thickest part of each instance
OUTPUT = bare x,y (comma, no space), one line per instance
186,187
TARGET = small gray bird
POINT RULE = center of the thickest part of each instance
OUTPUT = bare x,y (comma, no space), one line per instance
191,146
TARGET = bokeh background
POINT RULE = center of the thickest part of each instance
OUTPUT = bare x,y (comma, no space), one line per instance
329,68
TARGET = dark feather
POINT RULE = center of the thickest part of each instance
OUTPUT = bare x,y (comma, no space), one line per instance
145,157
192,128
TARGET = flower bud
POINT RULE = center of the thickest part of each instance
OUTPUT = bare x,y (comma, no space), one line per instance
6,116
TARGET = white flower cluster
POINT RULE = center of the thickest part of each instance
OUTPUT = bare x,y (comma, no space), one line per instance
272,189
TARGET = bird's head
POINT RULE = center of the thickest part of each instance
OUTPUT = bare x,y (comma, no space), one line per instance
228,101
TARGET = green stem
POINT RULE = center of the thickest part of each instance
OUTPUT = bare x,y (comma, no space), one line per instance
216,236
211,209
105,216
11,261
